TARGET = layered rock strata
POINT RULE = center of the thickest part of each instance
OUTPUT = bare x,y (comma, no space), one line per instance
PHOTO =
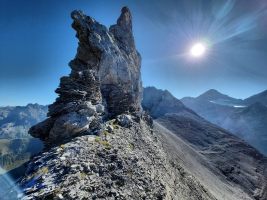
104,81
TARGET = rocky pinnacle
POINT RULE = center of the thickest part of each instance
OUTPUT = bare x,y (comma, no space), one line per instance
104,82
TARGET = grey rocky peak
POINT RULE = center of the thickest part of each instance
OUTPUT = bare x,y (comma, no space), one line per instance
122,31
104,82
125,20
160,102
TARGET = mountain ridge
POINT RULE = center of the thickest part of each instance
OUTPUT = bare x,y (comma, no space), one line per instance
247,121
118,157
260,97
16,145
213,94
163,103
223,154
101,145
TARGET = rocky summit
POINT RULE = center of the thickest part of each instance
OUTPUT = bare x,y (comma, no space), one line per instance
104,81
101,145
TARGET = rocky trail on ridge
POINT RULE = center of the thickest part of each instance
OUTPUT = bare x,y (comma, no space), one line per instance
100,144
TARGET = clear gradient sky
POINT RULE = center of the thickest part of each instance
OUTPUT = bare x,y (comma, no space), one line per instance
37,42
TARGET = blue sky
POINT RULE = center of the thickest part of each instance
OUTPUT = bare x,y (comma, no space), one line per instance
37,42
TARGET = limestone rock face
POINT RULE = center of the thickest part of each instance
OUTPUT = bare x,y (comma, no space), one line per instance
112,53
104,81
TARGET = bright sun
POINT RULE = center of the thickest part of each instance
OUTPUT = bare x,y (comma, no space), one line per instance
198,50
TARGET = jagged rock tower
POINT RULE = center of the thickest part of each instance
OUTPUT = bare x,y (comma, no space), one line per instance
104,82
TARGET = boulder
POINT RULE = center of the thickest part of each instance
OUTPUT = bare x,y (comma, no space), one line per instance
124,120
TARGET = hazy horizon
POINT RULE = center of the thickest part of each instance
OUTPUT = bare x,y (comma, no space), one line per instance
146,86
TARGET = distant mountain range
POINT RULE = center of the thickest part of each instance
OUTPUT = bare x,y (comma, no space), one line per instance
15,121
246,118
213,154
210,153
16,145
258,98
100,144
221,161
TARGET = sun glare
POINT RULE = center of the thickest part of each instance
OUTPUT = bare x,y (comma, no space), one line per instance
198,50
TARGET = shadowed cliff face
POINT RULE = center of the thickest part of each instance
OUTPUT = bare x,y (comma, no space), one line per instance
104,80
